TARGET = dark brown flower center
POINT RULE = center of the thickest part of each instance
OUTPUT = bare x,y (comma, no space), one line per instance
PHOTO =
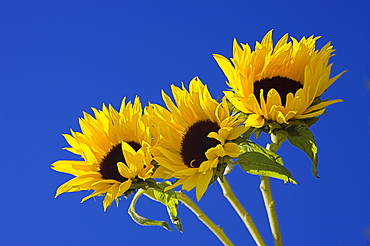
108,166
281,84
195,142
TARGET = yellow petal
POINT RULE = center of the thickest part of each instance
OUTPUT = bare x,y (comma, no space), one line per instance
125,171
215,152
202,183
290,115
207,165
190,182
237,102
95,193
177,183
87,154
110,196
162,173
78,183
172,156
254,120
232,149
216,136
186,172
237,131
226,66
322,105
310,115
124,187
73,143
280,118
75,168
163,161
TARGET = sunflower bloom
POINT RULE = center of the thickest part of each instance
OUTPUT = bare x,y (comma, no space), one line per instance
281,83
115,147
196,134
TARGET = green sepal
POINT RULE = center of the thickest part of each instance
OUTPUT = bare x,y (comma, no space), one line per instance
138,184
169,199
140,219
258,132
303,139
260,161
310,121
218,172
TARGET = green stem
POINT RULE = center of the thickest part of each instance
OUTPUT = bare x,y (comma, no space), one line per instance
202,217
270,208
243,214
267,195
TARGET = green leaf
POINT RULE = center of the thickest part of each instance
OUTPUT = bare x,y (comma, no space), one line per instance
253,147
303,139
140,219
169,199
261,163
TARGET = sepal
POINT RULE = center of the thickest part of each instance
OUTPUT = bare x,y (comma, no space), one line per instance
140,184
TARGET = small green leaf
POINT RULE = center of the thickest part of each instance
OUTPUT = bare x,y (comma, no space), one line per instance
140,219
169,199
260,163
303,139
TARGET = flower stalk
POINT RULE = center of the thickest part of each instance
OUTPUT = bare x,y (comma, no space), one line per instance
276,140
243,214
217,231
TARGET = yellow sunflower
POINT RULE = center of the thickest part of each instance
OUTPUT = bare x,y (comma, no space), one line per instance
281,83
195,136
115,147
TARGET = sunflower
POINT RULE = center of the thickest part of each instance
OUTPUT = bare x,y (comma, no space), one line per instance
115,147
281,83
196,134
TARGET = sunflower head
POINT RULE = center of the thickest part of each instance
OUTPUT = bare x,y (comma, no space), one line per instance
279,84
115,147
196,137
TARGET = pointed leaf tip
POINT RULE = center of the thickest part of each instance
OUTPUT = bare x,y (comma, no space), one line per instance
303,139
258,163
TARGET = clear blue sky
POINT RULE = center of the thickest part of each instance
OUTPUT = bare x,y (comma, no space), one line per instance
59,58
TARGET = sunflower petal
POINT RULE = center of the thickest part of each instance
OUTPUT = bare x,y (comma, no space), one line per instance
254,120
203,183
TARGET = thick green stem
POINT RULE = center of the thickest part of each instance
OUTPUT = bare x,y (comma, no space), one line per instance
202,217
277,140
243,214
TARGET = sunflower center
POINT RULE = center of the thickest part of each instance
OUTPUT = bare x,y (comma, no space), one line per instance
108,166
195,142
282,85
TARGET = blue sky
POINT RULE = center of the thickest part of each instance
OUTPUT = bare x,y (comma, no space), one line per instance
59,58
